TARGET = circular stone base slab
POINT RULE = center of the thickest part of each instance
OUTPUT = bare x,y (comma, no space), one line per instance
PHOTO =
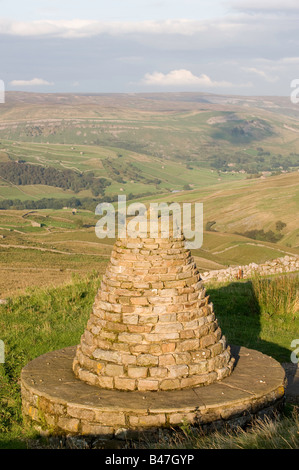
54,399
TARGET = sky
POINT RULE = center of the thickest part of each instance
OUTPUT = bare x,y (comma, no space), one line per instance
236,47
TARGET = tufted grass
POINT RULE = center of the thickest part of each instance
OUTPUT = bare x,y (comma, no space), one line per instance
262,434
261,314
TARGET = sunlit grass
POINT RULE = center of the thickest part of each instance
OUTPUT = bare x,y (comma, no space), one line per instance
261,314
263,434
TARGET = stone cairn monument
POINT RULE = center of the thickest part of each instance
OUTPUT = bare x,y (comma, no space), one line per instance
152,326
152,355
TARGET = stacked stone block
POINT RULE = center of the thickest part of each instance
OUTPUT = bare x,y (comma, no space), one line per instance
152,326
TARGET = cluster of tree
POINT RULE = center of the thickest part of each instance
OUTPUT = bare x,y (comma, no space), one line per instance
254,164
280,225
269,236
21,173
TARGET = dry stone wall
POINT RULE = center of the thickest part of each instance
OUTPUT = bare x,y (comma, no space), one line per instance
286,264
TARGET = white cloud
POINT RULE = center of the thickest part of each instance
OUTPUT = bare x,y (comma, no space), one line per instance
77,28
252,41
270,66
182,77
268,77
290,60
33,82
264,5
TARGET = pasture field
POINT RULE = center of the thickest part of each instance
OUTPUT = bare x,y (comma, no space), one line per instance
65,243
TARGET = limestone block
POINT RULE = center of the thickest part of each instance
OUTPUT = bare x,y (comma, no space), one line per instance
124,384
137,372
147,360
147,385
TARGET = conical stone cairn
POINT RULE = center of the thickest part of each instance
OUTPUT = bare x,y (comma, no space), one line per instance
152,326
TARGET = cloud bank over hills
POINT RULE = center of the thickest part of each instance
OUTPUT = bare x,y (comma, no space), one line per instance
245,45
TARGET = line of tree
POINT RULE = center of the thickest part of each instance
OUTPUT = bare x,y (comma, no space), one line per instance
87,203
49,203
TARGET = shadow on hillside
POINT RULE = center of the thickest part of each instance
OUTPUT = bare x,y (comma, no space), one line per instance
239,314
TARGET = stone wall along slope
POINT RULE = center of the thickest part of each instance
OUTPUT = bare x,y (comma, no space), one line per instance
286,264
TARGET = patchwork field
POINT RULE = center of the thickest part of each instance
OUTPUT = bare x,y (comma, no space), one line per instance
63,244
60,152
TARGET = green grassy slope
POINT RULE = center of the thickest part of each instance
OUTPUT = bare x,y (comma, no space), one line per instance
258,314
250,204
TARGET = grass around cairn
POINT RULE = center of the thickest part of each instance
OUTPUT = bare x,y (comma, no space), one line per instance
259,313
31,325
262,434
